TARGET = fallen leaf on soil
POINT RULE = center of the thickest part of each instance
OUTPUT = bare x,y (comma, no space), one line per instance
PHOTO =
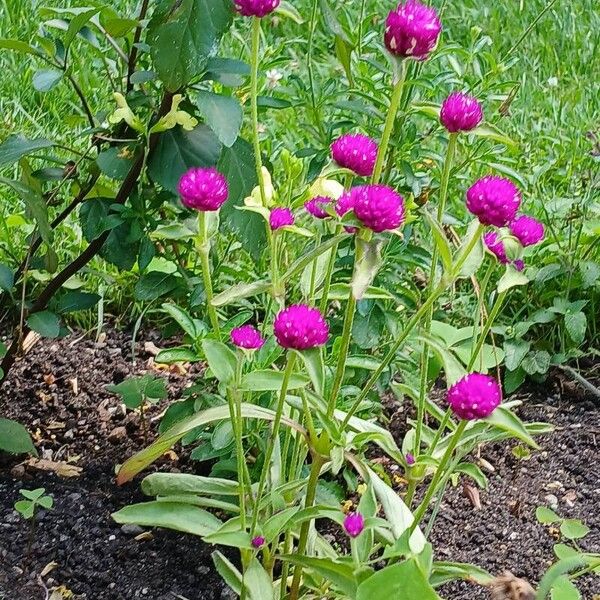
48,568
30,339
61,468
486,466
151,348
55,425
569,498
178,368
49,379
472,494
144,537
61,593
509,587
74,385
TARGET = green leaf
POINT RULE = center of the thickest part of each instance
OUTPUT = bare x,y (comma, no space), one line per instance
74,301
313,362
25,508
441,242
563,566
46,323
20,46
564,589
171,484
288,10
444,572
405,580
183,34
472,263
367,266
546,516
171,515
453,369
221,360
271,381
240,291
536,362
574,529
16,147
229,572
183,319
507,421
514,353
223,114
489,131
7,278
174,355
576,326
511,278
135,390
227,71
258,582
14,438
148,455
45,79
154,284
178,150
77,23
116,162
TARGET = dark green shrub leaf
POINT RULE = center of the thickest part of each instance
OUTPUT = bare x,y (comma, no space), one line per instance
73,301
16,146
46,323
14,438
223,114
45,79
155,284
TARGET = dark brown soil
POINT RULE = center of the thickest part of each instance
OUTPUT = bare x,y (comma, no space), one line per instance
98,560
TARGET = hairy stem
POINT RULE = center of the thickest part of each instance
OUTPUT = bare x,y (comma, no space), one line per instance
204,251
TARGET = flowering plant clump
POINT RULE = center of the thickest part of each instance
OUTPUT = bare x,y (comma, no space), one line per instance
203,189
494,200
247,337
356,152
300,327
460,112
412,30
256,8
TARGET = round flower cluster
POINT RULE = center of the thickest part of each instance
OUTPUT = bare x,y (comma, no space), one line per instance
475,396
378,207
356,152
354,524
281,217
495,245
315,206
203,189
300,327
412,30
247,337
256,8
527,230
494,200
460,112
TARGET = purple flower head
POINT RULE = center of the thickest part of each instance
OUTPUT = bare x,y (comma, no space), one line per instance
410,459
412,30
300,327
527,230
247,337
378,207
203,189
494,200
356,152
354,524
315,206
256,8
281,217
495,246
475,396
519,265
258,541
460,112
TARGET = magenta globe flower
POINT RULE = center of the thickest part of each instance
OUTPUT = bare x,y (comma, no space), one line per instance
356,152
300,327
410,459
315,206
378,207
345,204
527,230
495,245
475,396
256,8
494,200
247,337
258,541
203,189
354,524
460,112
281,217
412,30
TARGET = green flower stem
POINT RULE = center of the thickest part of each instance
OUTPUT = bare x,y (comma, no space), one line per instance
389,123
254,61
438,475
481,302
313,272
204,251
439,290
311,491
486,329
289,369
450,151
329,272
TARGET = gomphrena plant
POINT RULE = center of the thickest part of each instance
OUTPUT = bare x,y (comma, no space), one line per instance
292,403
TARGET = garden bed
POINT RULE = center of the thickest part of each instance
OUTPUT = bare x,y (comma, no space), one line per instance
59,393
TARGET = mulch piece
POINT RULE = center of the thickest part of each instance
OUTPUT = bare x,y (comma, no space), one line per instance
83,425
